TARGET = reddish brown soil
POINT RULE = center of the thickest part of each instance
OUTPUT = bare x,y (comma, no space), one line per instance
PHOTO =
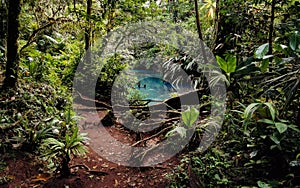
23,170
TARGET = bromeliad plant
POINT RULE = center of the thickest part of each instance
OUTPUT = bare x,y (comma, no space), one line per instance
63,150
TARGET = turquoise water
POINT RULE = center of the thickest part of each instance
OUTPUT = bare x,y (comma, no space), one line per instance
152,86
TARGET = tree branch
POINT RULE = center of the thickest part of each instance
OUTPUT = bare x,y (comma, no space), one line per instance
155,135
31,38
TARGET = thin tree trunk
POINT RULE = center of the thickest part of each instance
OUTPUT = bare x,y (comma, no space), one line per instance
88,31
216,26
198,22
12,64
271,30
3,27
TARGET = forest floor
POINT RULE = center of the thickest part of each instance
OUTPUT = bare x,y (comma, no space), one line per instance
92,170
23,171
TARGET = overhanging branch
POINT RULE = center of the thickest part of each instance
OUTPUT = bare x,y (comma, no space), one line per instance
31,38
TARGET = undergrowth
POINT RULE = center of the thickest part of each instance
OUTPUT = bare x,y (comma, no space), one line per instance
32,114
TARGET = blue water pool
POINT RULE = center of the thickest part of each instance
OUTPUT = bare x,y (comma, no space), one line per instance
152,86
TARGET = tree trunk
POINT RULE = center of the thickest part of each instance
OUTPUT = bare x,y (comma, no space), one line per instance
12,64
198,22
216,25
271,28
271,31
3,27
88,30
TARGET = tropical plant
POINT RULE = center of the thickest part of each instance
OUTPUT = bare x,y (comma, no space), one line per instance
285,80
266,114
228,64
189,117
63,150
202,170
30,138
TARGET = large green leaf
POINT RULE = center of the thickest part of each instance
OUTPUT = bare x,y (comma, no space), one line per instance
228,65
262,51
231,63
190,116
222,63
281,127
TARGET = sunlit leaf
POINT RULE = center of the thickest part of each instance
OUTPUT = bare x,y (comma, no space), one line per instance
190,116
51,39
250,110
228,65
295,163
267,56
42,177
253,153
262,51
231,61
222,63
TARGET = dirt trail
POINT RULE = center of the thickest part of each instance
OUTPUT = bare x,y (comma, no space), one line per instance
92,170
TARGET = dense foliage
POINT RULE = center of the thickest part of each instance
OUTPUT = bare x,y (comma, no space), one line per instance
257,47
